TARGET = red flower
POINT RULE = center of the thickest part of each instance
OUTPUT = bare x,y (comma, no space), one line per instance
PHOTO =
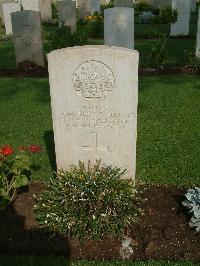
34,148
6,151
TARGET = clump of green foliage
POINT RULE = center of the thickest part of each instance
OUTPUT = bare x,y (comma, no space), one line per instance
169,15
61,37
88,202
193,62
142,6
54,11
158,53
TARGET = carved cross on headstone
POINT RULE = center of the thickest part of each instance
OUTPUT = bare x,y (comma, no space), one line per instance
93,144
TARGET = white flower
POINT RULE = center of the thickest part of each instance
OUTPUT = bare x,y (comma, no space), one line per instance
93,217
103,214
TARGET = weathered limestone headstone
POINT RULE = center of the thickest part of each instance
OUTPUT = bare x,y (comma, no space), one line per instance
181,26
94,96
119,27
193,5
27,36
1,9
9,8
95,6
84,8
44,6
67,14
123,3
198,37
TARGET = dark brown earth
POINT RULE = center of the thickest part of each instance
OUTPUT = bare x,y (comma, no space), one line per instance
162,233
41,72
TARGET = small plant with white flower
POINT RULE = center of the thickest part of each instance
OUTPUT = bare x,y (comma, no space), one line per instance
88,202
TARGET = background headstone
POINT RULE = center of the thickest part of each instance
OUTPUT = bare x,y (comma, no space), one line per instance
124,3
9,8
95,6
1,9
119,27
193,5
94,96
182,25
44,6
84,8
198,37
67,14
27,36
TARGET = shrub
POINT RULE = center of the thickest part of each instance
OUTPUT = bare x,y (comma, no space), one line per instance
61,37
15,171
193,62
93,25
142,6
158,53
169,15
88,202
54,11
192,203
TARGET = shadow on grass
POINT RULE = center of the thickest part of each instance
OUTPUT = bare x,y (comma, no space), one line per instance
20,235
50,147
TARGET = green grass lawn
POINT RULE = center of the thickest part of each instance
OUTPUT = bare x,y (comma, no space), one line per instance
53,261
168,145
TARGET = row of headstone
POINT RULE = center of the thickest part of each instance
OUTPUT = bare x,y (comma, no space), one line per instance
44,6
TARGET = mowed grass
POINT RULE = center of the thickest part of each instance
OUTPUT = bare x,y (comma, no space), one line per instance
58,261
168,144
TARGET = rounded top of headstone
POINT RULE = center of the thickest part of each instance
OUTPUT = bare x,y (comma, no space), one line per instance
101,48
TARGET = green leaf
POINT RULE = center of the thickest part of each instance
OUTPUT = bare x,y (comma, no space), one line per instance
20,181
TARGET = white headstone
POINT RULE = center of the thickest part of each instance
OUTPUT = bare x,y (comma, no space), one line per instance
9,8
67,14
44,6
94,97
1,9
27,36
95,6
182,25
119,27
198,37
84,8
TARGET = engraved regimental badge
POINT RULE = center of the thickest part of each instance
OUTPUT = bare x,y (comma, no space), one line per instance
93,80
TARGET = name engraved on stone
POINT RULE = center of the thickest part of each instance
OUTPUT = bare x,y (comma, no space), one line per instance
96,119
93,80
